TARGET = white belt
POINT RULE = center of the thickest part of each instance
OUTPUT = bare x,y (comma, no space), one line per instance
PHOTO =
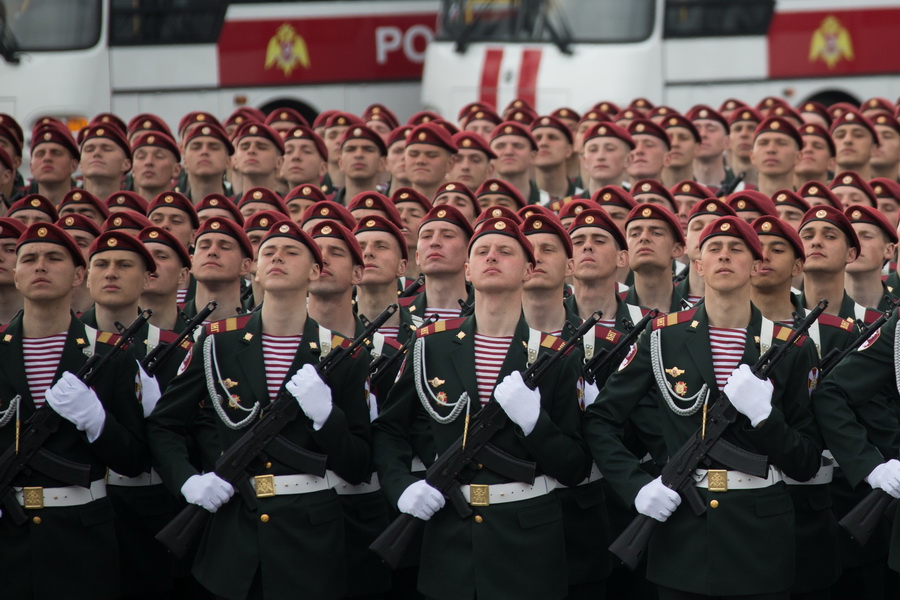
720,480
283,485
345,489
594,475
142,480
485,495
417,466
823,476
827,454
73,495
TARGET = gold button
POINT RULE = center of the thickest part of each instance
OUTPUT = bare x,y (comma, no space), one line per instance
268,465
480,466
36,520
265,518
478,518
714,504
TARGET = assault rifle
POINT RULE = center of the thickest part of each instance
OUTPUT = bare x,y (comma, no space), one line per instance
473,446
384,363
159,355
29,452
604,357
413,288
232,465
707,444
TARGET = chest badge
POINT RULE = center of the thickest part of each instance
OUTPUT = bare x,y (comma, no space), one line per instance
436,382
229,383
441,398
675,372
681,388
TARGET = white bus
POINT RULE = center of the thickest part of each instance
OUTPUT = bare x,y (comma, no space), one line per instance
575,53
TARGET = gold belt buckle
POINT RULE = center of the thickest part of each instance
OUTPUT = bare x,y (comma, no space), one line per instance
265,486
33,497
479,495
717,480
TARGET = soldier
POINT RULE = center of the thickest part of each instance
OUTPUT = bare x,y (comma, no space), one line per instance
751,205
300,198
554,148
488,347
782,261
256,228
790,207
222,257
175,213
105,159
173,268
516,149
65,529
651,145
683,141
54,160
331,295
885,161
284,118
335,127
361,159
385,255
877,245
699,353
605,157
459,196
430,155
396,158
7,177
830,244
412,207
654,241
474,160
257,199
542,298
33,209
704,212
84,231
258,156
10,298
887,195
741,126
291,539
775,154
11,142
83,202
686,195
127,201
481,122
207,157
817,155
709,166
156,164
305,157
496,192
851,189
217,205
855,139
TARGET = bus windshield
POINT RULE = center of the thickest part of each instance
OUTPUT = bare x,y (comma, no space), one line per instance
35,25
557,21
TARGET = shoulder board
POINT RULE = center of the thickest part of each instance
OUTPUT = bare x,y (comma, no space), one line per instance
783,332
607,334
392,343
229,324
438,326
107,338
551,342
836,322
169,337
674,318
3,327
405,302
871,315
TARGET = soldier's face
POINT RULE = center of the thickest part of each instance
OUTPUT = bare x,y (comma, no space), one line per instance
854,146
826,247
154,168
297,207
552,266
302,163
890,208
218,259
411,215
651,244
886,154
580,131
117,278
849,196
441,249
52,163
170,274
605,159
208,213
86,210
683,206
46,271
682,147
396,162
790,215
741,138
514,155
874,249
251,208
815,158
285,264
497,263
333,136
30,216
713,138
339,273
472,167
7,145
553,147
360,159
7,261
774,154
175,221
459,201
647,158
489,200
206,157
692,236
726,263
103,158
257,156
779,264
596,254
427,165
383,259
482,127
379,127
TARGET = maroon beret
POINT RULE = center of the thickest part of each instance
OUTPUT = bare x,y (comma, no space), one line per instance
361,132
673,121
212,130
779,125
108,132
265,196
466,140
197,117
125,220
326,209
49,233
852,179
816,189
147,122
540,223
211,201
79,222
751,200
504,226
229,228
175,200
261,130
610,129
851,116
498,186
302,132
286,115
733,227
34,202
614,195
834,216
711,206
158,235
513,128
379,223
56,134
375,201
448,214
334,229
117,240
790,198
158,140
769,225
818,131
861,213
596,217
657,212
689,187
127,199
79,196
11,228
435,135
647,127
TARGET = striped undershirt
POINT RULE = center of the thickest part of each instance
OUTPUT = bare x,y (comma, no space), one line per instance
390,332
442,313
490,353
727,347
694,299
182,294
278,354
42,357
611,323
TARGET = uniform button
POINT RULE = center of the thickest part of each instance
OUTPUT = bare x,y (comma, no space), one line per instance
714,504
478,518
264,518
36,520
268,465
480,466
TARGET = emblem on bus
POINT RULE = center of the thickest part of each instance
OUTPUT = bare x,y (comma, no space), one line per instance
831,42
287,50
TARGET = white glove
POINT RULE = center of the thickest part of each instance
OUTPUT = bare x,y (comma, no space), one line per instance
150,392
521,404
749,394
591,391
657,501
312,394
208,490
373,407
77,403
420,500
886,476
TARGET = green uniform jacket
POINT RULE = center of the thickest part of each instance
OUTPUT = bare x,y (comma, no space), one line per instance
299,548
744,545
511,550
69,552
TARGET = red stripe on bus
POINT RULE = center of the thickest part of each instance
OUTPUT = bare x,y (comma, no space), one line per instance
528,72
490,76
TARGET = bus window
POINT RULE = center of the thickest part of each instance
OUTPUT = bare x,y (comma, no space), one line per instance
156,22
717,18
51,24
